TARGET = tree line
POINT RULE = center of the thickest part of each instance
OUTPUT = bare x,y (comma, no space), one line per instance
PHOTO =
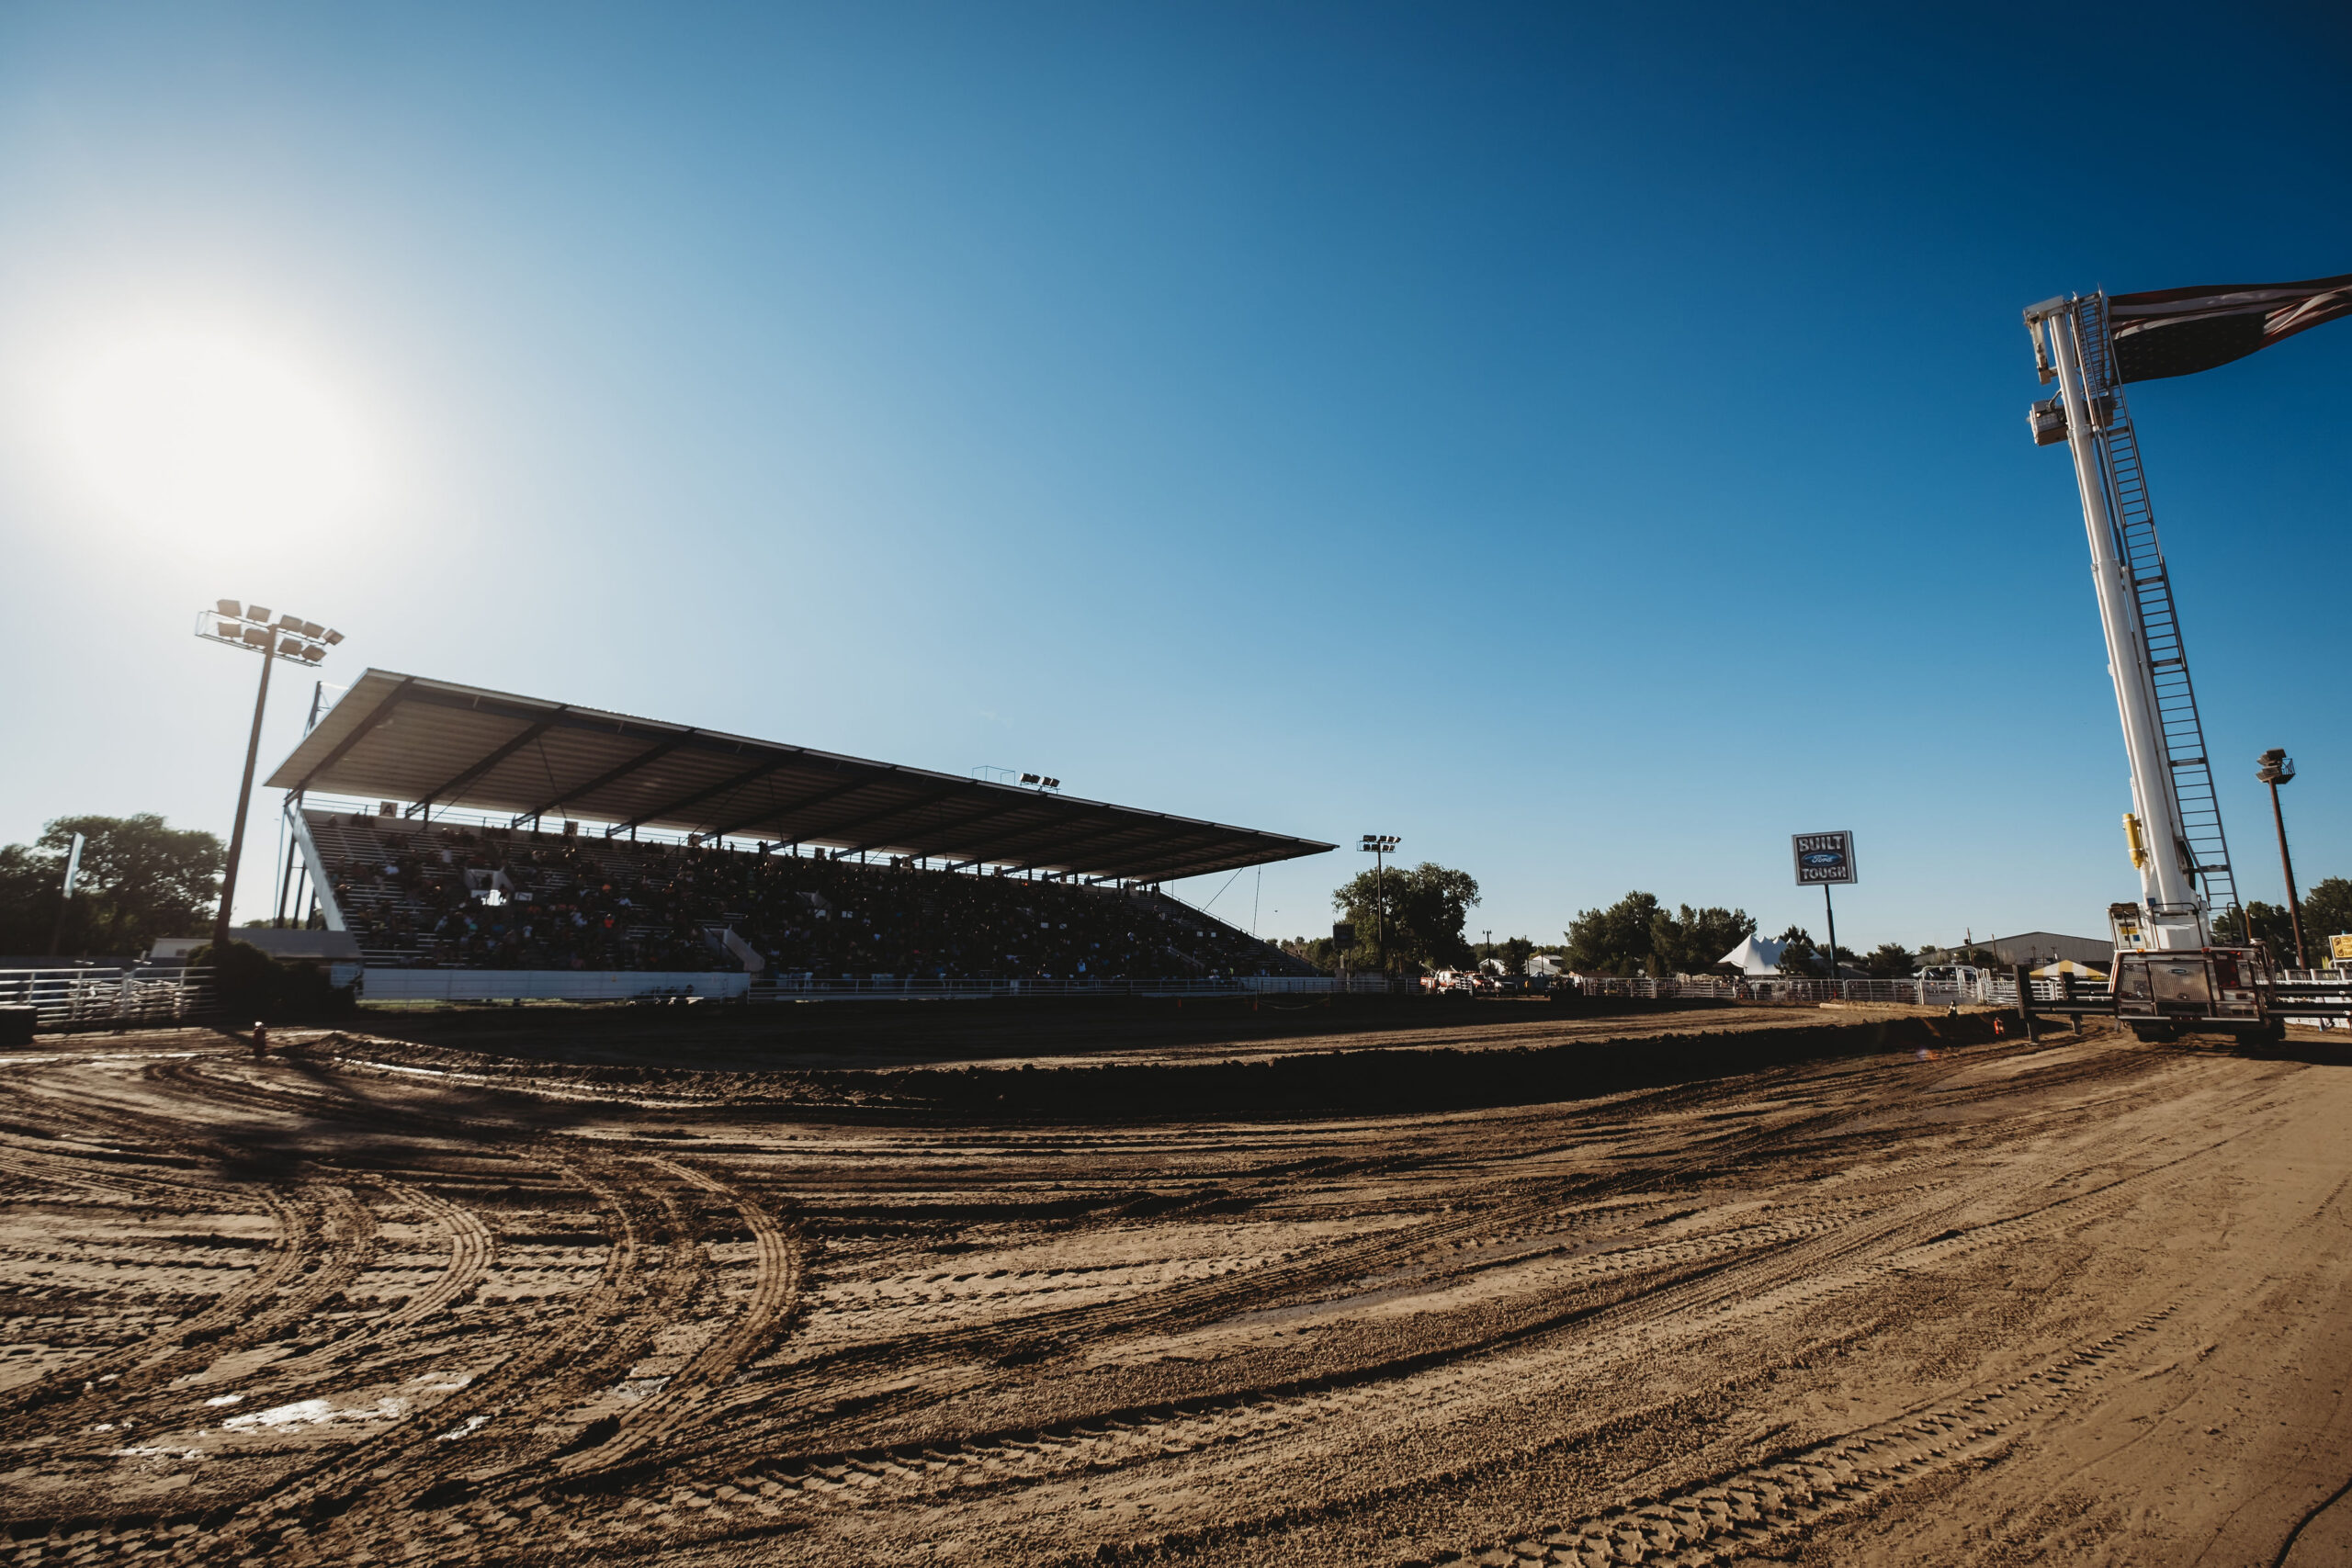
1409,918
140,879
1424,909
2326,910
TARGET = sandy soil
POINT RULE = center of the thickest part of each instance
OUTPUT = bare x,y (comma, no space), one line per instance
537,1292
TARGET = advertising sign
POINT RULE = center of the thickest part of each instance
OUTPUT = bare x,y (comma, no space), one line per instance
2339,947
1824,858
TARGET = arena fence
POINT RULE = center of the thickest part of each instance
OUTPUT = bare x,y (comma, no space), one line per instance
2325,993
1991,990
108,999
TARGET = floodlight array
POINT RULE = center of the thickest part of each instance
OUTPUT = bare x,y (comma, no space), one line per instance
287,637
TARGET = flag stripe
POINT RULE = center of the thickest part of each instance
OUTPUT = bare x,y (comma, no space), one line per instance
2178,331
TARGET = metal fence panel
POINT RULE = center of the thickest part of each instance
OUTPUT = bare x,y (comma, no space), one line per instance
107,999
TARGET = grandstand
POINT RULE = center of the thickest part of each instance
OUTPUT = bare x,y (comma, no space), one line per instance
482,830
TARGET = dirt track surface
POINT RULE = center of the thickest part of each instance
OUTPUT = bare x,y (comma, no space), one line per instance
377,1301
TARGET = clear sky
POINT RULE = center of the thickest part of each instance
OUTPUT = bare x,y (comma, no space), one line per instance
1589,443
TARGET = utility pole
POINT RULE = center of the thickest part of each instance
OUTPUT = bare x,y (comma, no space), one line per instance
2274,768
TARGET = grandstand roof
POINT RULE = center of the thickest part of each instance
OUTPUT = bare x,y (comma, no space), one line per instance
404,738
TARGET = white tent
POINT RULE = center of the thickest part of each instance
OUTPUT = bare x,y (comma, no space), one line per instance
1756,955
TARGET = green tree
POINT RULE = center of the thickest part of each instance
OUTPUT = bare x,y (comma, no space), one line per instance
1890,961
2327,911
1799,957
1516,952
1615,941
140,879
1639,935
1423,909
1695,940
27,899
1803,958
2271,928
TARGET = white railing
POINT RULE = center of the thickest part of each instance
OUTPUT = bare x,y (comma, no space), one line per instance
2326,996
90,998
1643,988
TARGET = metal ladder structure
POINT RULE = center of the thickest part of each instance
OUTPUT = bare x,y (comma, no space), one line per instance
2134,524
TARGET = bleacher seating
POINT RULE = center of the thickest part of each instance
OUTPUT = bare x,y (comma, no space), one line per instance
428,895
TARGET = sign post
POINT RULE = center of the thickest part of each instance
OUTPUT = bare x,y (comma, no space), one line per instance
1826,859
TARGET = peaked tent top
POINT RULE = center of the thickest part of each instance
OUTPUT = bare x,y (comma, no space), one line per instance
1755,955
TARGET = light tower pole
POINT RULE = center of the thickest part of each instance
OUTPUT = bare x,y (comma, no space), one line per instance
2274,768
289,637
1379,846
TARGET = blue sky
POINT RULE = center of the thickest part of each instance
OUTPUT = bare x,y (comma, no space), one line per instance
1589,445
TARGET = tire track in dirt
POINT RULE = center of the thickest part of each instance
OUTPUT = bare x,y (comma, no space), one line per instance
1708,1306
1574,1269
1762,1507
775,1293
1206,1301
295,1276
471,1248
550,1371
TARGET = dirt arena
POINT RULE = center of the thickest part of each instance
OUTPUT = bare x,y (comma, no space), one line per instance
970,1283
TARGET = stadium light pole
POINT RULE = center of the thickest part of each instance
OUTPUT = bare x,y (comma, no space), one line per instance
1379,846
289,637
2274,768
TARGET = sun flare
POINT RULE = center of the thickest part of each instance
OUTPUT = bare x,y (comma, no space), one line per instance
212,429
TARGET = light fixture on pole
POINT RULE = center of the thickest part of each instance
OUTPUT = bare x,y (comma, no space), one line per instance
291,637
1379,846
2274,768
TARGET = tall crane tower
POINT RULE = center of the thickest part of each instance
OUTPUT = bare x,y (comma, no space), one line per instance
2174,830
2168,972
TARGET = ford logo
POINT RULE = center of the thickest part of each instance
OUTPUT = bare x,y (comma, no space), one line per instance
1825,857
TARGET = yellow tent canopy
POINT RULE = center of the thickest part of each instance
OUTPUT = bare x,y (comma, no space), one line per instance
2068,966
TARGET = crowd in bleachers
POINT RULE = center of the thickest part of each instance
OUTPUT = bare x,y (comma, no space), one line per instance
419,894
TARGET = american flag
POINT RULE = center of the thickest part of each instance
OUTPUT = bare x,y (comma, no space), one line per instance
2178,331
